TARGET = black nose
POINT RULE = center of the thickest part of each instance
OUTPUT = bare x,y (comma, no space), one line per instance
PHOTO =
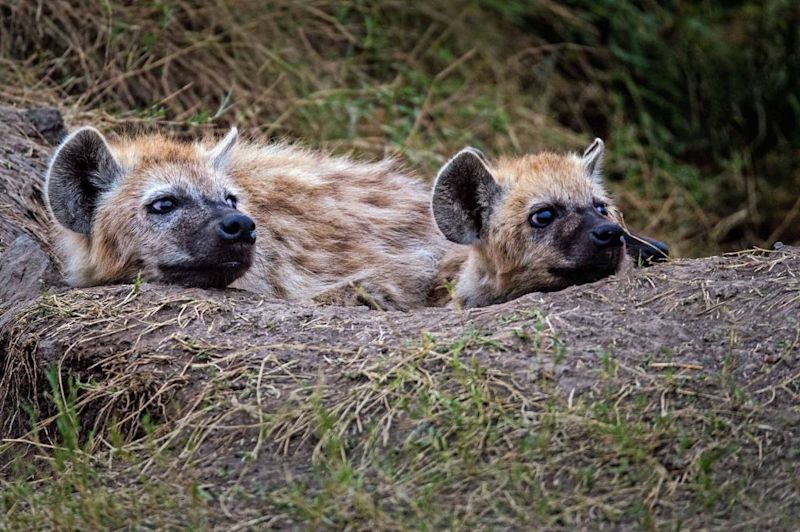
236,227
607,236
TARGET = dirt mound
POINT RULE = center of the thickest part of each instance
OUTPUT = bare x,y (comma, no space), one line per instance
668,396
24,153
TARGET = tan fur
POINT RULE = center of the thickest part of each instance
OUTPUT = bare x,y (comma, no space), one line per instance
508,263
329,228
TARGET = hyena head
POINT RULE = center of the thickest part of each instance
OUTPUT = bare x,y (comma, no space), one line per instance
535,223
148,206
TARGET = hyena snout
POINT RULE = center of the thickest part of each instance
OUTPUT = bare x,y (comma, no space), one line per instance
237,227
606,236
217,248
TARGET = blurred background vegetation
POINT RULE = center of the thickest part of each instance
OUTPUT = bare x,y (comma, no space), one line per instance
698,101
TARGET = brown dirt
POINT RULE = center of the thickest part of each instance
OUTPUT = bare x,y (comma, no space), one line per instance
676,388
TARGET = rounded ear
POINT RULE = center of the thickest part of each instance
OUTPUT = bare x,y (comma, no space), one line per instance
593,160
82,168
221,152
464,197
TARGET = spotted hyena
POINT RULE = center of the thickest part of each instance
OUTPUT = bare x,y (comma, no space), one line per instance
302,225
286,222
533,223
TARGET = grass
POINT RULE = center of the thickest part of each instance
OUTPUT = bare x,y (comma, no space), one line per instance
436,441
67,487
697,105
519,418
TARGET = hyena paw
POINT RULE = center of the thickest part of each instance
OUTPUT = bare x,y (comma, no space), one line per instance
357,294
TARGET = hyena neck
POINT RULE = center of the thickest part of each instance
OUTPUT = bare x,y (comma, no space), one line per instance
478,284
465,275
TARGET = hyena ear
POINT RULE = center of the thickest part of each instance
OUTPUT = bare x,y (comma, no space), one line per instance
593,160
82,168
464,196
221,153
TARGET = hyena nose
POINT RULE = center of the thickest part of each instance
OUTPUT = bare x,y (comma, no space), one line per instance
237,227
607,236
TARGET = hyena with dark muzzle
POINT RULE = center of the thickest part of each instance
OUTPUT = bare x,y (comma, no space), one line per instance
278,220
534,223
302,225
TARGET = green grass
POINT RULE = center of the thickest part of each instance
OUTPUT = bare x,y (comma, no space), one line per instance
61,484
429,440
696,101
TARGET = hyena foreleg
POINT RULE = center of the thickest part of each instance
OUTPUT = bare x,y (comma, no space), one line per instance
362,293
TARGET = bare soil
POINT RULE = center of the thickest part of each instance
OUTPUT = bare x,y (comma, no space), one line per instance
665,397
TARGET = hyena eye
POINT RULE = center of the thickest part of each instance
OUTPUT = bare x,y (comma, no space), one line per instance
542,217
231,201
162,205
602,209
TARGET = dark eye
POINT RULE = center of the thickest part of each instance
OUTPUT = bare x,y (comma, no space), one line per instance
601,208
543,217
231,201
162,205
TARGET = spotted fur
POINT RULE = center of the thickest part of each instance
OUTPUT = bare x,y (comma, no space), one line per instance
496,254
329,229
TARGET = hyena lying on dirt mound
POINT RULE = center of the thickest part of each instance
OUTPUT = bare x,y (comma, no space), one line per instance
277,220
533,223
328,229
